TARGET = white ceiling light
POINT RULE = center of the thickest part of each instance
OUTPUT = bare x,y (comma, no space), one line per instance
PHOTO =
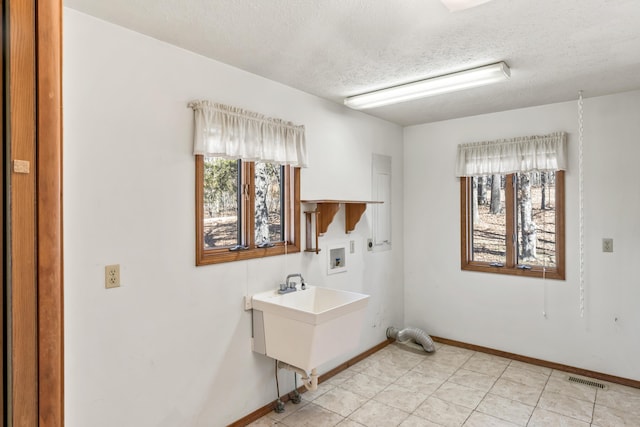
456,5
433,86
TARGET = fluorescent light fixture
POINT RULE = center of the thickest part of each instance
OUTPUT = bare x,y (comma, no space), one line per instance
429,87
456,5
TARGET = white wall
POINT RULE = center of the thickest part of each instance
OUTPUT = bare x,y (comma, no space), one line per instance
171,347
506,312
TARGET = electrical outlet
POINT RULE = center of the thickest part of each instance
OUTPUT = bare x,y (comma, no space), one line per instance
112,276
607,245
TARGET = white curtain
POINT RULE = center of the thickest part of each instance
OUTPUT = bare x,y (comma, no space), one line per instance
503,156
234,133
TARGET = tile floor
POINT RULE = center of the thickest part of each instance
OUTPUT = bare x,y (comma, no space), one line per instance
398,386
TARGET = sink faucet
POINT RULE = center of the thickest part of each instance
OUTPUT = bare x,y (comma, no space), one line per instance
292,285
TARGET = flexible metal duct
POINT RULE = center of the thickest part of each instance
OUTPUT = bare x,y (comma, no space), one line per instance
418,335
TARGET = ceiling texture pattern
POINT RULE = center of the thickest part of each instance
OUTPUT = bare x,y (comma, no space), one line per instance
338,48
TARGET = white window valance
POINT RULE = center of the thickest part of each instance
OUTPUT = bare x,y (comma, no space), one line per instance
234,133
503,156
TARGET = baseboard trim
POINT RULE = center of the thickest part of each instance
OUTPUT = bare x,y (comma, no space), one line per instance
540,362
261,412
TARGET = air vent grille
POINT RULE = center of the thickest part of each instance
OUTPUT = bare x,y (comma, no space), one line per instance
586,382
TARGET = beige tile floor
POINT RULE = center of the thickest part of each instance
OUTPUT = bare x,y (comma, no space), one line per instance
456,387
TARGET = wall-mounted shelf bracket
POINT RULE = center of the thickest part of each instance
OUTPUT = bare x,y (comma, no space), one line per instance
325,212
352,214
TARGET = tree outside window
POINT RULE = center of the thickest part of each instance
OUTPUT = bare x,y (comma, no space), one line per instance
514,223
245,209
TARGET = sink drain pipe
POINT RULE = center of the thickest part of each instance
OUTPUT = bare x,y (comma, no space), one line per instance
418,335
309,381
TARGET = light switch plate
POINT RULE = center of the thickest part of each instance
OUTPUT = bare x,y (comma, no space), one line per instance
607,245
21,166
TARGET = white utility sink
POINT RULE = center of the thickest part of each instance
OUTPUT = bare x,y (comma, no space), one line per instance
308,327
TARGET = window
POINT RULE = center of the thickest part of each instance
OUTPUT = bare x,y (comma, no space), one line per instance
245,209
514,224
512,205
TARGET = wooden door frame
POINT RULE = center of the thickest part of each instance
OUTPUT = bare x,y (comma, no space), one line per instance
22,335
3,407
49,215
34,55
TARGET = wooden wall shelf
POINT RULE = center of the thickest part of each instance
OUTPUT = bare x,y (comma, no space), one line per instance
324,213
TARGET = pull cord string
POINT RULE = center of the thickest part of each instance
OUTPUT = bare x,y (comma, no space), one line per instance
544,257
581,197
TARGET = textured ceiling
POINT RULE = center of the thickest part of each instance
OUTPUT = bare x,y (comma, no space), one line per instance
338,48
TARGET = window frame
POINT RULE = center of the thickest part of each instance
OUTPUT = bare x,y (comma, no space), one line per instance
291,223
511,263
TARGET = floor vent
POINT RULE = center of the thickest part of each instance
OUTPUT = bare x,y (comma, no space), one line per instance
586,382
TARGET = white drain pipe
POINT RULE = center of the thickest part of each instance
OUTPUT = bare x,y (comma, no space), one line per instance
310,381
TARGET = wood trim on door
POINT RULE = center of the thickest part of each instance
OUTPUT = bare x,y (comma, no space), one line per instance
3,402
33,46
49,199
21,76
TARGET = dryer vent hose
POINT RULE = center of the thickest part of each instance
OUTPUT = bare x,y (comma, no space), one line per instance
418,335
